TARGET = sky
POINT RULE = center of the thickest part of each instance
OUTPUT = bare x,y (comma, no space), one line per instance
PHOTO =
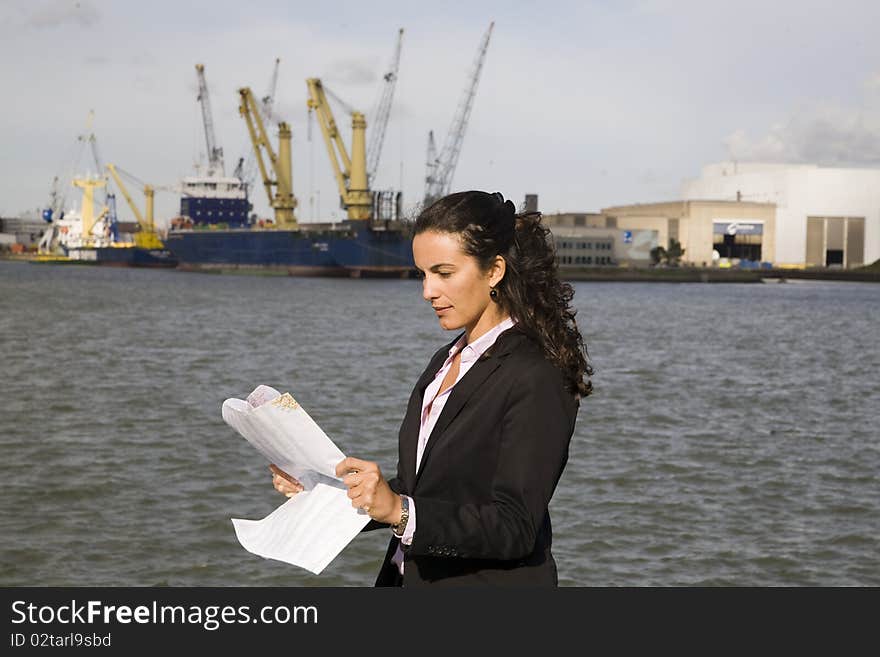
586,104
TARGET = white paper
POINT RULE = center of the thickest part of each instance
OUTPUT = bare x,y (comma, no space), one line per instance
311,528
289,533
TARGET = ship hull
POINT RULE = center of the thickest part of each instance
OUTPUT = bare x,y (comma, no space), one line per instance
133,256
351,249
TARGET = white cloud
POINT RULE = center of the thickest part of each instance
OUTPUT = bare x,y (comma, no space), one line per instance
57,13
828,133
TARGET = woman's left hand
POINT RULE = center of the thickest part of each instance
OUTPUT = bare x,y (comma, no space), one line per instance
369,491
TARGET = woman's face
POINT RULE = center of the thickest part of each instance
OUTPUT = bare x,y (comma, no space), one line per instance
454,285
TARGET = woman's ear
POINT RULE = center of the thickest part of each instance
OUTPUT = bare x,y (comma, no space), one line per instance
497,270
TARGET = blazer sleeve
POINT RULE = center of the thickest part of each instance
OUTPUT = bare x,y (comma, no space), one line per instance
536,424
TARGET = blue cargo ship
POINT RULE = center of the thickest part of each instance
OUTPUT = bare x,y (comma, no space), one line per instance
215,233
350,248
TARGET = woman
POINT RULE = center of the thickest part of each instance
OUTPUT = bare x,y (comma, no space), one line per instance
486,432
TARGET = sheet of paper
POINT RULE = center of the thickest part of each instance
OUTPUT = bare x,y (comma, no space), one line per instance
284,433
315,525
309,530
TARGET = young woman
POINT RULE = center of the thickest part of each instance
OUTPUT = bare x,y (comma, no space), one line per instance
487,428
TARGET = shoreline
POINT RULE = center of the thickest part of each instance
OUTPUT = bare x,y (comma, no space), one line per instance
706,275
588,274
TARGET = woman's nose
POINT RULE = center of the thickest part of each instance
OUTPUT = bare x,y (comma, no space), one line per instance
427,289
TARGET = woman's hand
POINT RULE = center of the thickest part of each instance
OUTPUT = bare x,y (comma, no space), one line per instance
369,491
283,482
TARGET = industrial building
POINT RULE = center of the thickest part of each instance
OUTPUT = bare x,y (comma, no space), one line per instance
825,216
15,230
710,232
594,240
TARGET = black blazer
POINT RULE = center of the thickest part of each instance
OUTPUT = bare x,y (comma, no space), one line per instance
488,472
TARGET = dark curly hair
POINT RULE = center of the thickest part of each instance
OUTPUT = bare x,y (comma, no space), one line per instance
530,291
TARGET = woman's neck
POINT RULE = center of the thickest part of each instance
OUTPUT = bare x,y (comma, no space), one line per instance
486,323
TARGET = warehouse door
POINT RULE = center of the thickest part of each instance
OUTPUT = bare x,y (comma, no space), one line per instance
738,239
835,241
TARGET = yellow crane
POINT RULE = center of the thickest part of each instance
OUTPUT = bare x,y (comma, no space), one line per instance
351,175
283,201
146,237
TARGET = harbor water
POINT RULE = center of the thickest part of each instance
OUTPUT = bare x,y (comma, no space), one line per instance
732,438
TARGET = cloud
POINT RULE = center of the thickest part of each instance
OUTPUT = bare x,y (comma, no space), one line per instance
351,72
63,12
822,133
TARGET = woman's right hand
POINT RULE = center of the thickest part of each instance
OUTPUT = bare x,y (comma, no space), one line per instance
283,482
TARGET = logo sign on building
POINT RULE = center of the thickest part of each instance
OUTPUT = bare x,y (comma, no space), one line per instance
627,237
738,227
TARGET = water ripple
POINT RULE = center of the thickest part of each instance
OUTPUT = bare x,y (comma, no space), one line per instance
731,440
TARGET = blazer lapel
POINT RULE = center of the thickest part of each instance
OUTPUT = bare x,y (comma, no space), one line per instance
465,389
409,431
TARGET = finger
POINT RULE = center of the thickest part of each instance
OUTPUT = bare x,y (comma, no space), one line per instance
351,464
281,473
286,486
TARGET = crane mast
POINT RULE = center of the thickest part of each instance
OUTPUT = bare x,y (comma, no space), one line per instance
283,200
432,158
215,153
383,112
351,174
438,178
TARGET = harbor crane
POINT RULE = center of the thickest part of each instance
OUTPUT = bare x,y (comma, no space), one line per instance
215,153
440,168
61,183
379,121
351,173
283,200
147,236
246,169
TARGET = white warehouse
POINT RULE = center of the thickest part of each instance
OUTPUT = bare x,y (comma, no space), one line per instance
824,216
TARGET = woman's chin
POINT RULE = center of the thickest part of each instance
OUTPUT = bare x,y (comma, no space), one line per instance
448,324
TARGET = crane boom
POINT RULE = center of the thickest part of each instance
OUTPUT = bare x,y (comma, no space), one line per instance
134,208
383,112
147,237
269,99
215,153
351,174
283,201
246,170
439,176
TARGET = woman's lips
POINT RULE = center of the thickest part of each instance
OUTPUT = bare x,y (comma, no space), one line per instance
441,309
